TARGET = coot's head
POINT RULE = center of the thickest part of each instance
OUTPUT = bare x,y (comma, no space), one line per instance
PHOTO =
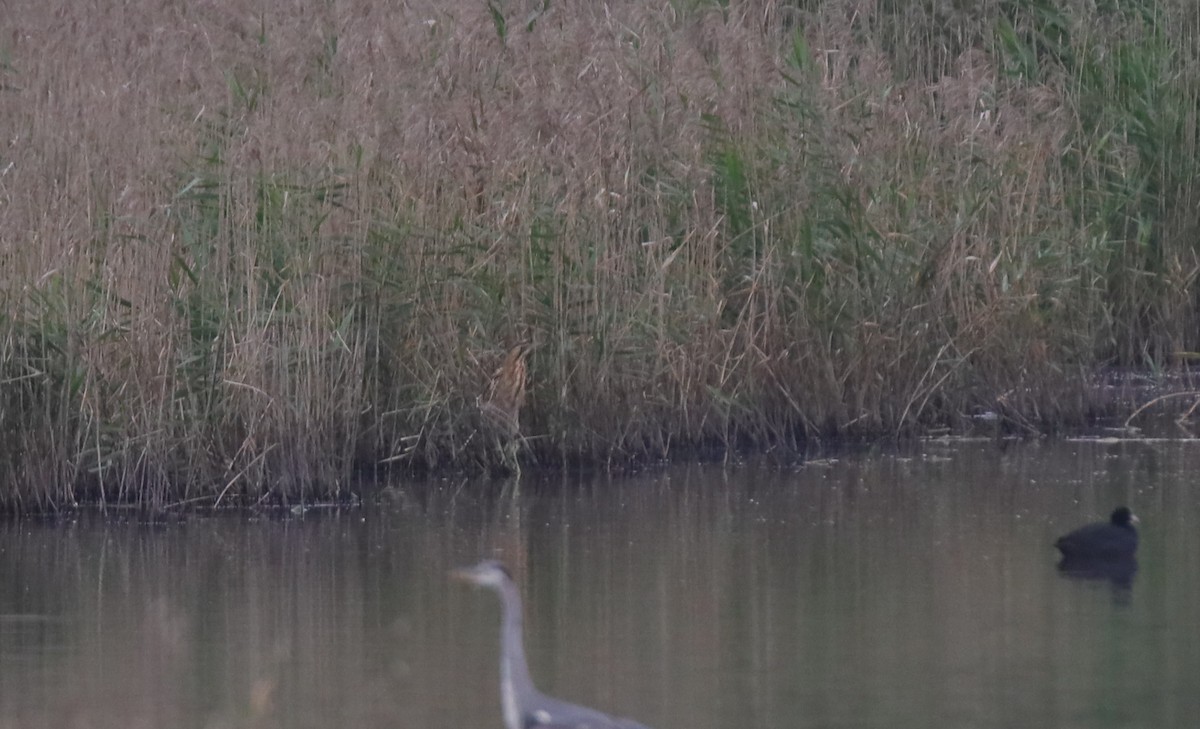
1123,517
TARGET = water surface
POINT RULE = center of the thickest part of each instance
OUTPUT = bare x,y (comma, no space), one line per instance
880,590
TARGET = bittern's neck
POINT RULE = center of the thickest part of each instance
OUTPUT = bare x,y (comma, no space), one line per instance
515,683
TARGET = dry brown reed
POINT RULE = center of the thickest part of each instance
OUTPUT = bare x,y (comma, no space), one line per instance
252,248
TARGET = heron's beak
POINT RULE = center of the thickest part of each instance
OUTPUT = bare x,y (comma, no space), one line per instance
462,574
1134,520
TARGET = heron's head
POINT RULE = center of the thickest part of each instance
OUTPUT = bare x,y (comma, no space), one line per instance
488,573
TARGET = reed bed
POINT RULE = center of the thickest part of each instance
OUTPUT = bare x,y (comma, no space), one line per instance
252,251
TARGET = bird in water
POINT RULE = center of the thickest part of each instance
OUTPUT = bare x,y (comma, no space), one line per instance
1116,539
524,706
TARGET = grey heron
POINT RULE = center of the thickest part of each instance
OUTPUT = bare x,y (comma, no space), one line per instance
524,706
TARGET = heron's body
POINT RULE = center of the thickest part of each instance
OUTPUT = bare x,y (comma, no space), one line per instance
524,706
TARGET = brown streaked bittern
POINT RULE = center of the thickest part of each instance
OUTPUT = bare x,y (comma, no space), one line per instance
506,394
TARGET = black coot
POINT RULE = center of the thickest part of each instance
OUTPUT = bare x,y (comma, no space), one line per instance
1117,539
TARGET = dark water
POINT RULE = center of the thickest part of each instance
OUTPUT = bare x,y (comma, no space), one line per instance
876,591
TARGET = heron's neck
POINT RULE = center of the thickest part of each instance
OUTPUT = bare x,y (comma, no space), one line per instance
515,683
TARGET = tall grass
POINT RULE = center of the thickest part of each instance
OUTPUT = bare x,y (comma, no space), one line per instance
252,252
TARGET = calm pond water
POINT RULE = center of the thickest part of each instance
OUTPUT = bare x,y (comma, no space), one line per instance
882,590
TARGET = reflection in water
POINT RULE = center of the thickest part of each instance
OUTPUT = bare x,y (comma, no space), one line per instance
1119,572
877,591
